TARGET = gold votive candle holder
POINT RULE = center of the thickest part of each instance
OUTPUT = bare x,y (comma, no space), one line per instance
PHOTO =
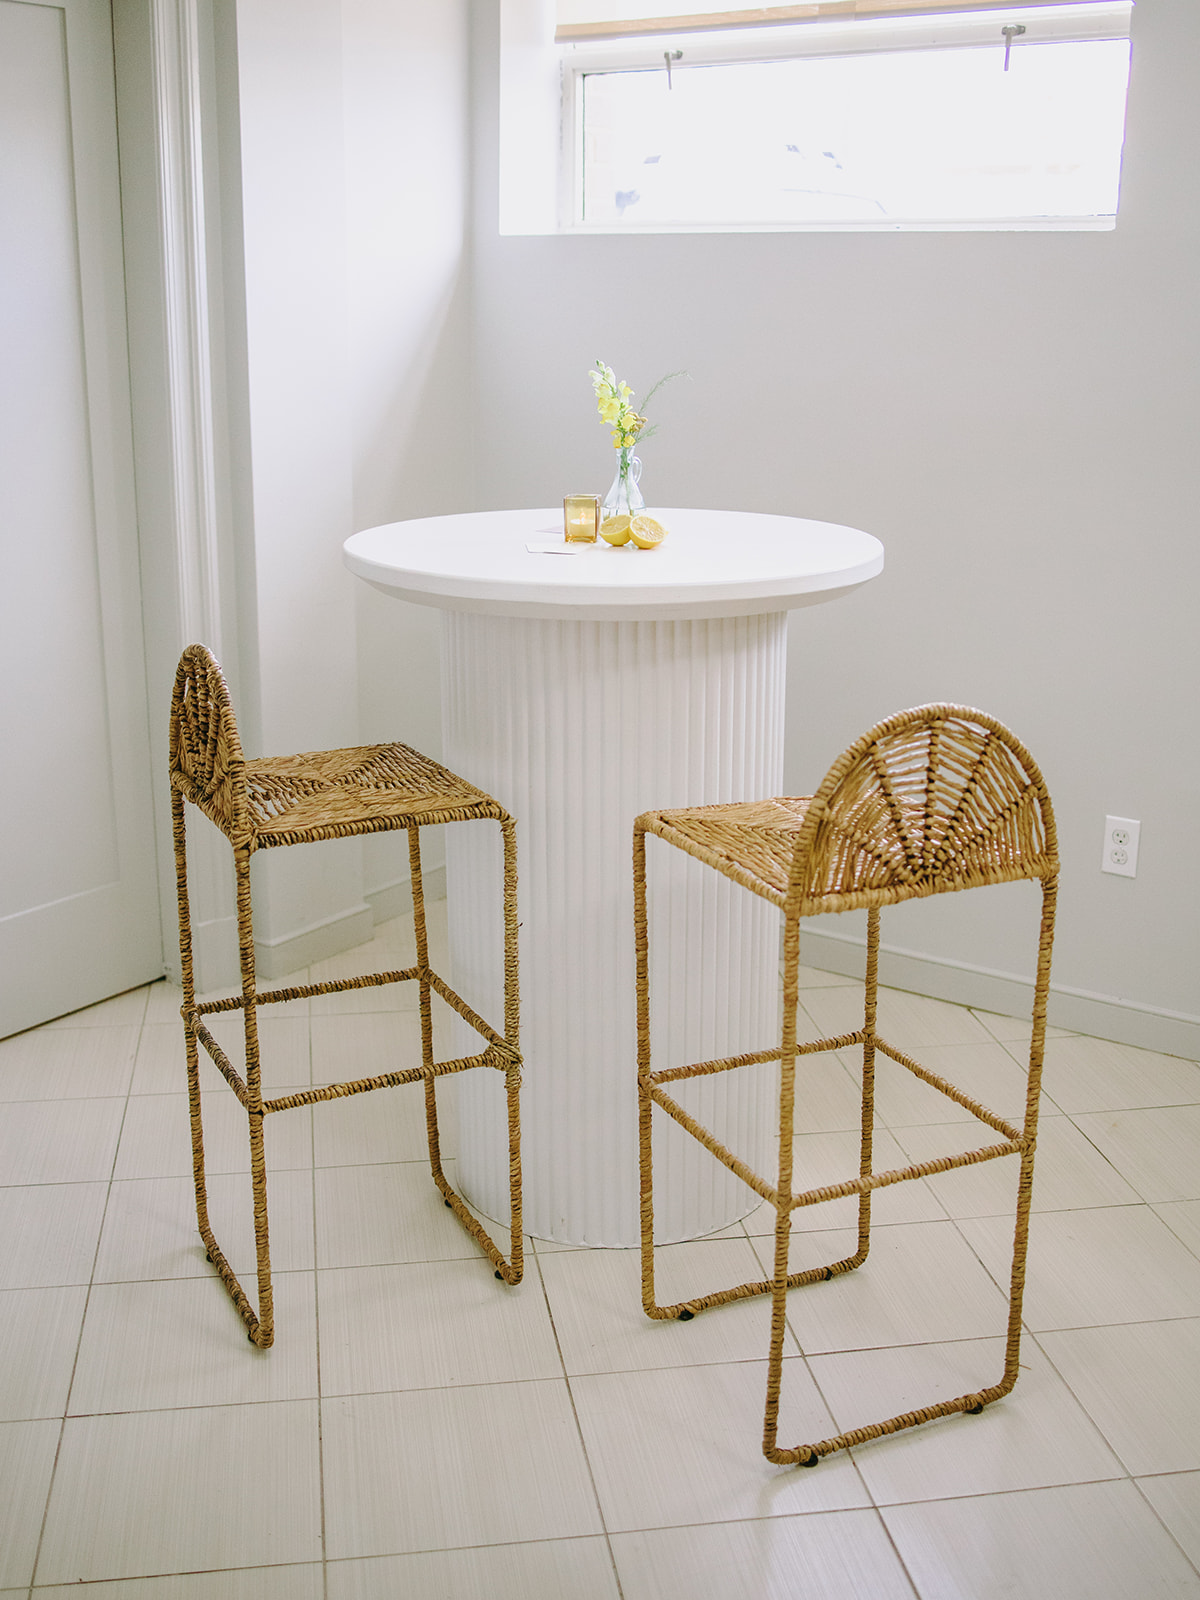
581,518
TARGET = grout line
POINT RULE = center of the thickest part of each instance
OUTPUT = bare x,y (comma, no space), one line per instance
1137,1483
579,1429
317,1332
37,1555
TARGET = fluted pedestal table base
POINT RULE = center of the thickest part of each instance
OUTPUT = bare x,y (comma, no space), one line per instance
576,727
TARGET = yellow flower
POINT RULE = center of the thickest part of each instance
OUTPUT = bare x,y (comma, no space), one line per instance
613,402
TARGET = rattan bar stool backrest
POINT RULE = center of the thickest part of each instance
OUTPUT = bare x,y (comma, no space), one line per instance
207,764
931,800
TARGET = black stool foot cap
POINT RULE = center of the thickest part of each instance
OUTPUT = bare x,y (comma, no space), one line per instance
686,1316
973,1411
500,1275
446,1203
813,1461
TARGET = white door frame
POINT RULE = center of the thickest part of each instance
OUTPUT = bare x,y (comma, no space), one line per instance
172,120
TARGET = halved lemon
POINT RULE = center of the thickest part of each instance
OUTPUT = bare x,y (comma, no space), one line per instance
615,529
646,533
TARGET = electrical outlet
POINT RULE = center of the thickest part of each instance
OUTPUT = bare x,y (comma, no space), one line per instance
1120,846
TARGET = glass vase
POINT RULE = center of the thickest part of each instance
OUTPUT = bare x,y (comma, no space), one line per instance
624,498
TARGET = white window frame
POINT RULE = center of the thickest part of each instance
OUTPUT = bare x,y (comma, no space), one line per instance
1104,19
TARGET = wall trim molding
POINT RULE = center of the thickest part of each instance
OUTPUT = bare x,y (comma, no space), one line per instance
395,899
278,958
1172,1033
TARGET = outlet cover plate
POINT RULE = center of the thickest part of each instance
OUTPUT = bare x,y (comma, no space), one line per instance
1121,835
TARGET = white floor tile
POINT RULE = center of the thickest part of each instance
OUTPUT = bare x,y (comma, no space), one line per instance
673,1448
1183,1219
828,1093
150,1228
985,1072
907,1021
1176,1498
921,1282
156,1141
1084,1074
347,1048
453,1459
166,997
822,1159
387,952
1077,1543
555,1569
155,1346
163,1000
1014,1030
59,1141
389,1213
430,1325
834,1555
1090,1267
48,1233
1037,1435
122,1010
1140,1384
1155,1150
26,1466
247,1583
283,1052
39,1335
157,1492
67,1063
1069,1173
596,1300
382,1125
436,1469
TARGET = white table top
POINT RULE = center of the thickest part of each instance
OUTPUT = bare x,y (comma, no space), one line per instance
712,564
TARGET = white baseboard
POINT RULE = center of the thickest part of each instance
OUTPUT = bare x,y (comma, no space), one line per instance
214,944
1172,1033
395,899
275,958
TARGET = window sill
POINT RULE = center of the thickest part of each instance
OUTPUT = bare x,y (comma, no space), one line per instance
1001,225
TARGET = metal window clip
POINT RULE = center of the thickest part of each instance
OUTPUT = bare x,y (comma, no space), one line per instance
677,55
1011,32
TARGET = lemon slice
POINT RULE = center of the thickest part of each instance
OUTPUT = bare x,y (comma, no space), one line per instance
646,533
615,529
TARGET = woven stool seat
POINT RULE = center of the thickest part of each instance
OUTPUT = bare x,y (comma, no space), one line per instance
931,801
327,794
277,801
754,840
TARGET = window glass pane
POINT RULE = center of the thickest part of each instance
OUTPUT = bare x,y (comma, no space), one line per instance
913,135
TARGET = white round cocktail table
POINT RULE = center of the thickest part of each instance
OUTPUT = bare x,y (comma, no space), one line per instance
581,689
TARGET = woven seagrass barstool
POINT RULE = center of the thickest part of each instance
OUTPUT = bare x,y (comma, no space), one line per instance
286,800
930,801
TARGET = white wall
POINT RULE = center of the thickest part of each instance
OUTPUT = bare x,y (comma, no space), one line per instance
1015,416
405,73
351,124
289,62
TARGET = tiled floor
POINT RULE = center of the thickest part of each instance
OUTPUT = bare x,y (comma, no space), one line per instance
421,1431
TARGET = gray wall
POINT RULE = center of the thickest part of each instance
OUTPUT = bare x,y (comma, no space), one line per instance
1013,414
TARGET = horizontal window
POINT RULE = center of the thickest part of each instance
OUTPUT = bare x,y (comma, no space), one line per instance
989,118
